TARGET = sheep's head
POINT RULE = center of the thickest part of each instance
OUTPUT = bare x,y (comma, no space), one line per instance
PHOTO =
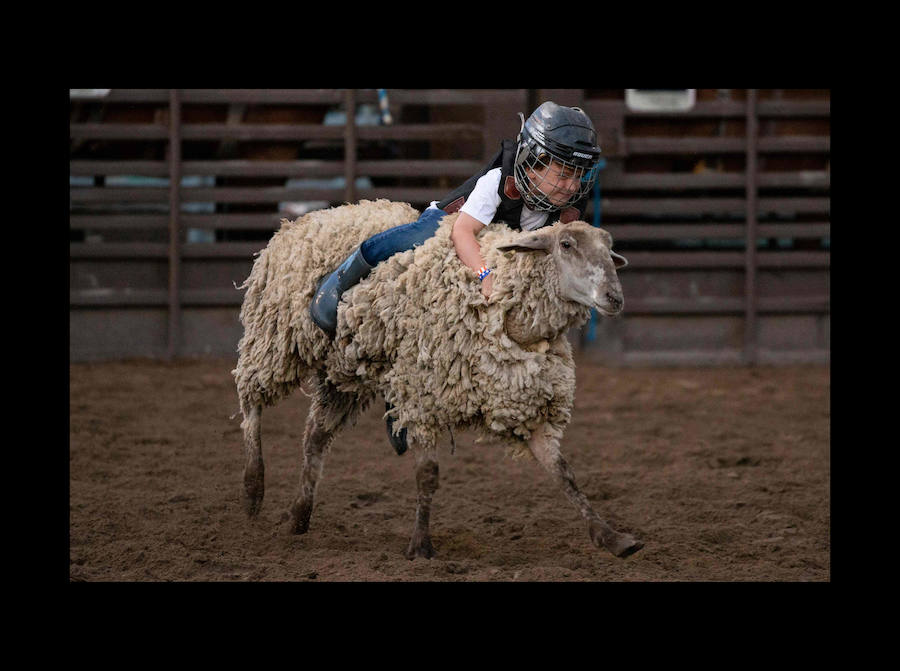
585,260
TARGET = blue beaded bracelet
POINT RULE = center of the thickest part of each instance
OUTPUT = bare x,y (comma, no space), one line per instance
483,272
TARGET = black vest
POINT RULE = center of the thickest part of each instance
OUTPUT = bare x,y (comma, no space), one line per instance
511,203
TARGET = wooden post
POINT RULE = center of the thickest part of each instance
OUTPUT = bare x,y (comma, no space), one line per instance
174,225
750,336
350,146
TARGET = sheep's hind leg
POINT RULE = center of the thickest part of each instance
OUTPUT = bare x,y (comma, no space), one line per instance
329,411
254,469
544,445
426,484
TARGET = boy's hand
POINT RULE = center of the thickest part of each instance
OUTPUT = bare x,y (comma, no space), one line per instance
467,249
486,285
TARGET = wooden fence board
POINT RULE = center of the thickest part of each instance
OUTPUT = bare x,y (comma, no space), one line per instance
118,253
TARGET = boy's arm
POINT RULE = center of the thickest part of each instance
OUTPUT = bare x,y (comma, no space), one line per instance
467,248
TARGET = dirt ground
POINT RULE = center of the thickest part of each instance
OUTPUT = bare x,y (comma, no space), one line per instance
724,473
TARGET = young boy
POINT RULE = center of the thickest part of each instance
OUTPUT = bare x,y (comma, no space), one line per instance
545,176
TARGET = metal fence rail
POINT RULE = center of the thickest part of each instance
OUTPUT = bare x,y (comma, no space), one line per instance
130,239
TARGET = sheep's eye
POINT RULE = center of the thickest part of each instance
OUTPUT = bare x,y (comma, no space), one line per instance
566,244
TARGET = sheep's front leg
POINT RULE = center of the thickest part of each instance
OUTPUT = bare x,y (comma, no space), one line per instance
544,445
426,484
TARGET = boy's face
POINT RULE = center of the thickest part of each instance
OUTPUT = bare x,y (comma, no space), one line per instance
556,181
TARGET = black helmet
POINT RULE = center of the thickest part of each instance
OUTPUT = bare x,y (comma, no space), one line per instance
555,133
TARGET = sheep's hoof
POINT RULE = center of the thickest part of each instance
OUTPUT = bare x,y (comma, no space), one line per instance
626,546
254,487
420,548
300,514
619,544
252,506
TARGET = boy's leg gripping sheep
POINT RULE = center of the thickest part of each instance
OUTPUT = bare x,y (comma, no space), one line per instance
323,308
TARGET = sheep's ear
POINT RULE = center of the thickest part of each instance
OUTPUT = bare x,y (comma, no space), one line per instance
618,261
531,243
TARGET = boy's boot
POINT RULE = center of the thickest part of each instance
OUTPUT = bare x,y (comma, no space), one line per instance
399,440
323,308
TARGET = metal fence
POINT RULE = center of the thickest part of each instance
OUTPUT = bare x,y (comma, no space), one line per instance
722,210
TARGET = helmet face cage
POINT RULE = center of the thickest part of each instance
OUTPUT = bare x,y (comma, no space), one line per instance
537,173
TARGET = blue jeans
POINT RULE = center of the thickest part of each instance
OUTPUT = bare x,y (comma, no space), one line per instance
384,245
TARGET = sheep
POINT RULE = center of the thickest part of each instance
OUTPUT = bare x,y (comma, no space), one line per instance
419,332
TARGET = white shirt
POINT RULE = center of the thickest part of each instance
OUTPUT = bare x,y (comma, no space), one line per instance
484,200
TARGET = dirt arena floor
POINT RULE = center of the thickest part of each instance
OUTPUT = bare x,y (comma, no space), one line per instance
724,473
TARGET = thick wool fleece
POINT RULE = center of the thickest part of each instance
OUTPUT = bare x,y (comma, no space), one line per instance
418,329
281,344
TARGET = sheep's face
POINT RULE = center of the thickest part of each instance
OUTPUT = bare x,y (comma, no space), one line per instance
585,260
